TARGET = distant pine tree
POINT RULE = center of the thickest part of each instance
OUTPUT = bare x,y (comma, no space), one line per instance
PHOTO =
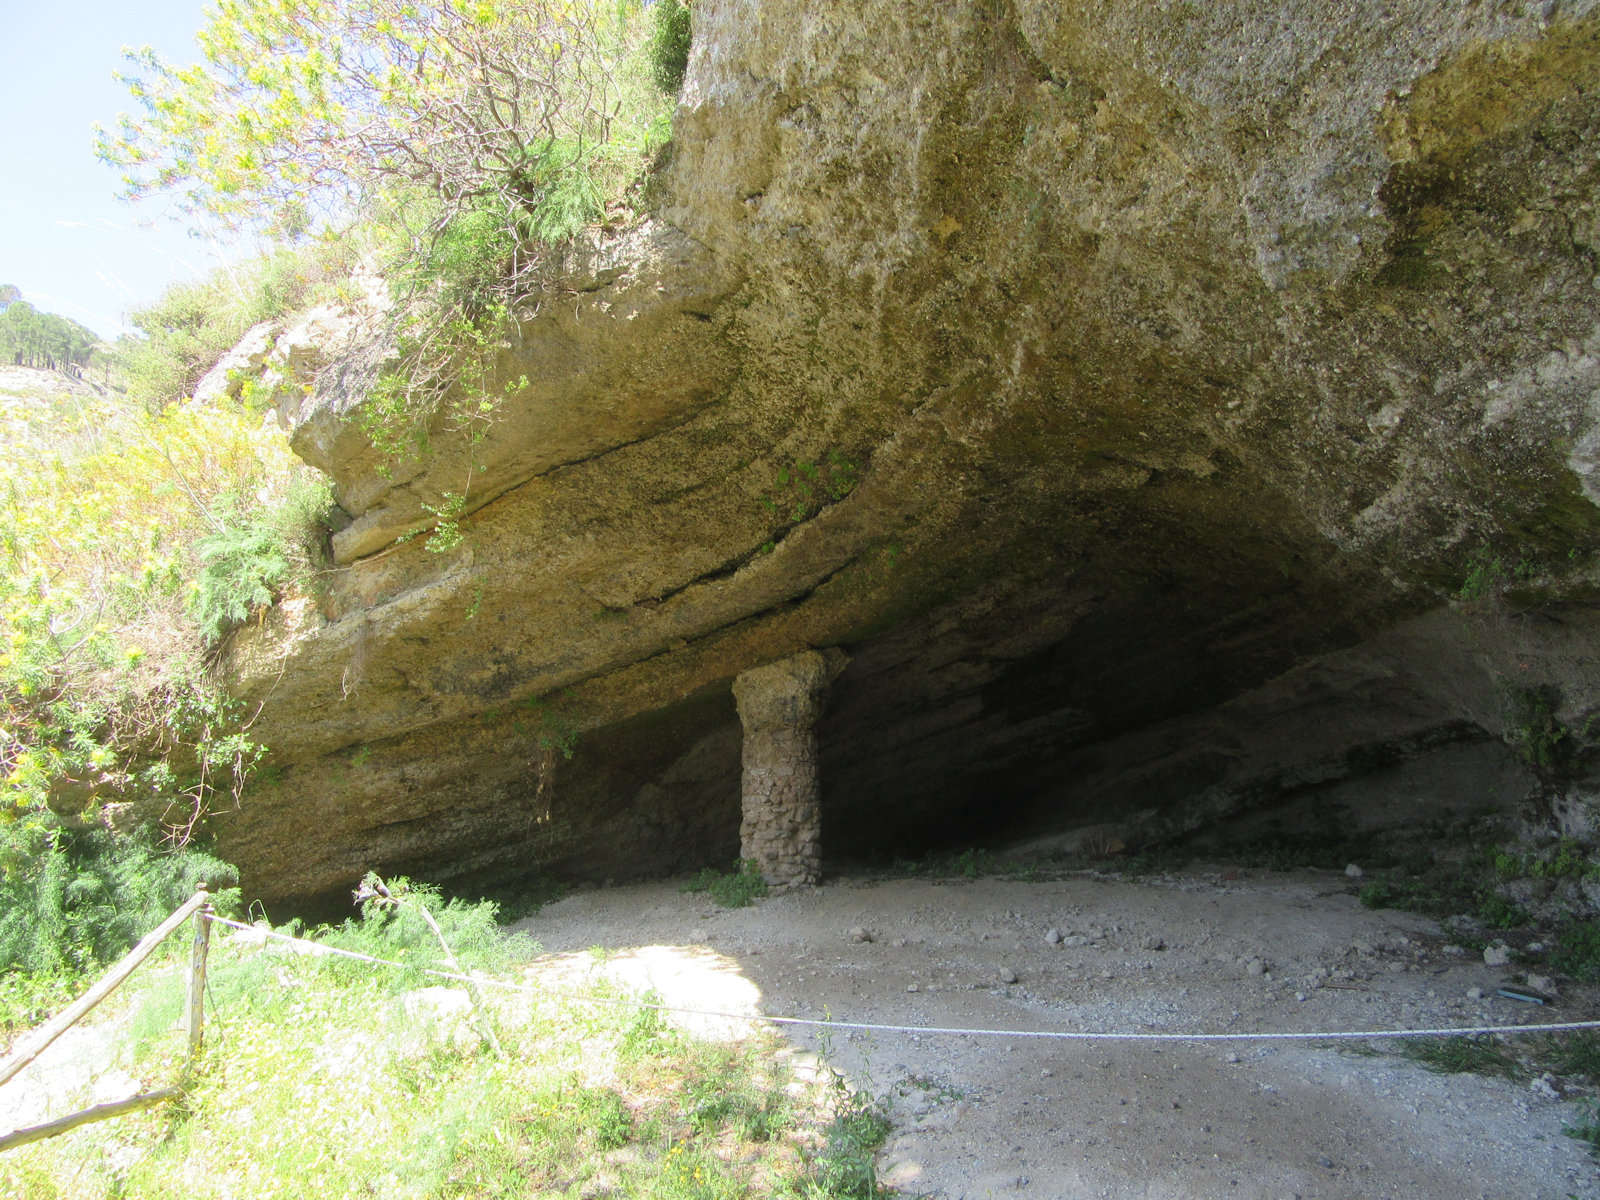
32,338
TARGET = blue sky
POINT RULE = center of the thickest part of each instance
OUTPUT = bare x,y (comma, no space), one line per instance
65,240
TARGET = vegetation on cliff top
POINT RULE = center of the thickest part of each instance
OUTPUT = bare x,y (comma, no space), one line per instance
32,338
470,141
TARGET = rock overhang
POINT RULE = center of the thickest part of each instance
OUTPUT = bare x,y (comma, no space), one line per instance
1129,374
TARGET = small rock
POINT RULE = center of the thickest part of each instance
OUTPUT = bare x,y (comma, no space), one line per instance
1453,951
911,987
1046,1073
1536,947
1053,936
1474,993
1096,933
860,934
1255,968
898,943
1233,1058
1397,966
1354,871
1300,996
1542,983
1497,955
1154,942
1545,1086
1324,1161
1007,975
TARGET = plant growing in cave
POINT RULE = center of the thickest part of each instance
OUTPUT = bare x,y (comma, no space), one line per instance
736,889
1555,749
801,489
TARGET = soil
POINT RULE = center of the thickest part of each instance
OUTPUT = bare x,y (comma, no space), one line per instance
36,381
1215,950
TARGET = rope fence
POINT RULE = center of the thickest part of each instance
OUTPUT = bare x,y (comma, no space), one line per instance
320,949
199,910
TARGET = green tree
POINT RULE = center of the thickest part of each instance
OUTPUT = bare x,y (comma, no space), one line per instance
42,337
469,136
304,111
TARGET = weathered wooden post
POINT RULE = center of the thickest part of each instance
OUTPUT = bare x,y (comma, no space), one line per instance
197,983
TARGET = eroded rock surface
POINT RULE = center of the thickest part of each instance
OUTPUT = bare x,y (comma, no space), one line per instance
1079,369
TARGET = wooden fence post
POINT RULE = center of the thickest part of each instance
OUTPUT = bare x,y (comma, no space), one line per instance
34,1044
197,984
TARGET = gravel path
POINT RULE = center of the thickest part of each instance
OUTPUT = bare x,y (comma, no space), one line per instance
1209,950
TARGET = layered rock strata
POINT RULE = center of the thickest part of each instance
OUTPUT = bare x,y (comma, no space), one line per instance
1080,369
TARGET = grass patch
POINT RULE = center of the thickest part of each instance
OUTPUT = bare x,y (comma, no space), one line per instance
518,900
1577,949
1587,1128
1574,1054
740,889
1439,899
947,864
323,1076
1444,885
1325,853
1463,1055
1154,860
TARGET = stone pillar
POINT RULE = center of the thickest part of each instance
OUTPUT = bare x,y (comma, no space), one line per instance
782,827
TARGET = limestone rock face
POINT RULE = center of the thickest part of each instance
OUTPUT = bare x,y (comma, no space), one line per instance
1080,369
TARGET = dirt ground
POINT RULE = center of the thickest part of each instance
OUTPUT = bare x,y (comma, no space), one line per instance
1219,950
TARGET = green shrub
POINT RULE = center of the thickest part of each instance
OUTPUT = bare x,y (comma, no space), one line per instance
245,564
241,569
1587,1129
670,36
740,889
74,899
1577,949
846,1168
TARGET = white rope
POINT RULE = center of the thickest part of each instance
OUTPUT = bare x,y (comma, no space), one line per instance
1064,1035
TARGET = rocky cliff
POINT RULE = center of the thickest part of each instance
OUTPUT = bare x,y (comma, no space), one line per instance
1173,409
